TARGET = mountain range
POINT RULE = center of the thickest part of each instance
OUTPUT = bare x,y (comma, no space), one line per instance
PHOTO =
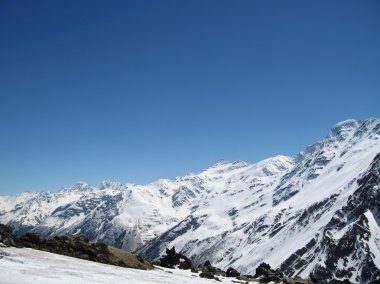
315,215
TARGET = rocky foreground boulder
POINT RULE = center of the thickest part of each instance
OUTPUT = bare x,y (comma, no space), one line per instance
231,272
266,274
7,238
172,259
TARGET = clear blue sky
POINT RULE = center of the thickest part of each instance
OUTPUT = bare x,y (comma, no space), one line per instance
137,90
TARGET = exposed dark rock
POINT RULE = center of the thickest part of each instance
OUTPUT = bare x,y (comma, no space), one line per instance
262,269
231,272
173,259
4,230
78,247
69,246
31,238
296,260
279,273
320,274
207,267
207,263
267,274
7,238
207,275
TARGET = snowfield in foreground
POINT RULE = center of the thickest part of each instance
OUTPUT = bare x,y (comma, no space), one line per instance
24,266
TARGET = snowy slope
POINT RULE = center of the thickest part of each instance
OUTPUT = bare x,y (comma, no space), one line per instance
283,221
282,210
27,266
128,216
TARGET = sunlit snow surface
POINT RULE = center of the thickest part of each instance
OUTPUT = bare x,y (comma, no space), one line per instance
24,266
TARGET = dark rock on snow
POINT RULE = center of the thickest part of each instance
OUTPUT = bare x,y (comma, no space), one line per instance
7,238
267,274
231,272
207,275
173,259
207,267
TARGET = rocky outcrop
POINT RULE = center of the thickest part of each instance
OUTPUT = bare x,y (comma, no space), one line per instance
207,275
7,238
175,260
207,267
78,247
232,272
172,259
266,274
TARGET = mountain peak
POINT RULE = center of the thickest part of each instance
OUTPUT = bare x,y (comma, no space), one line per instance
347,126
221,162
79,186
276,164
223,166
344,127
110,184
277,159
347,123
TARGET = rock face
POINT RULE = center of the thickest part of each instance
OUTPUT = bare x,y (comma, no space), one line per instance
314,214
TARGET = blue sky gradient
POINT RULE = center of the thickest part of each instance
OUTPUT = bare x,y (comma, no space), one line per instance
138,90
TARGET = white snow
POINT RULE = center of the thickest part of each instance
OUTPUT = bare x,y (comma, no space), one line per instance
374,240
28,266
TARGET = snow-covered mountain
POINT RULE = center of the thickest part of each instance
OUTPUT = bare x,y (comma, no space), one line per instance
315,214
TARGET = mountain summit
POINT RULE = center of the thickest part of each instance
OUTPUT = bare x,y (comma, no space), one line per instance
315,215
